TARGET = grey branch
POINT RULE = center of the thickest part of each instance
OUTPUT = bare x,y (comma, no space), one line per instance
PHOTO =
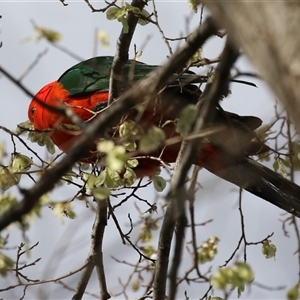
122,50
95,257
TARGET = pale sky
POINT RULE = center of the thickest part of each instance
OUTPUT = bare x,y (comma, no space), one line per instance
64,246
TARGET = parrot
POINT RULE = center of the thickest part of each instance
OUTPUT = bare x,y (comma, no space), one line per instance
225,152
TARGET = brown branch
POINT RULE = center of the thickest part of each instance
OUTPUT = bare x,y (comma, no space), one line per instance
44,281
13,134
122,49
191,198
97,241
63,3
84,279
125,236
100,9
160,29
95,257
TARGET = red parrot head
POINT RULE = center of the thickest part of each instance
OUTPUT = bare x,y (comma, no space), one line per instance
44,119
36,109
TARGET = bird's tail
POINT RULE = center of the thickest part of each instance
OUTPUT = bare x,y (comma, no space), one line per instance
255,178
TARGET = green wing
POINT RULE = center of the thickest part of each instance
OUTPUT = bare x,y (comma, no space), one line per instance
93,75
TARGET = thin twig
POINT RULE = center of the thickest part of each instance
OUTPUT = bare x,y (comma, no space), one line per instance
33,64
95,257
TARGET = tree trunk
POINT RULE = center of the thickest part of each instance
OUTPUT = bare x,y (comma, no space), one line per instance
268,33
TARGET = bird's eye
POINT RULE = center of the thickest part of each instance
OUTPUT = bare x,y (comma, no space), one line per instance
99,106
33,109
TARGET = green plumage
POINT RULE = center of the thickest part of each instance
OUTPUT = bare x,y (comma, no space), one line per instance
93,75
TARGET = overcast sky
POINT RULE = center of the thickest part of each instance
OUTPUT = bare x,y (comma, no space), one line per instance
64,246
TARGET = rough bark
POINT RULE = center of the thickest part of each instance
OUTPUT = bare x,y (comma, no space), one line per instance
268,33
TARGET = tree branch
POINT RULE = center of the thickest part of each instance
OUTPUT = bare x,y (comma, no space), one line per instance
177,193
122,49
97,241
95,257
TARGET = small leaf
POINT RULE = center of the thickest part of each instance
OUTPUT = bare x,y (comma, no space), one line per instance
49,145
7,179
103,38
186,120
24,127
48,34
152,140
90,180
138,55
2,152
129,177
148,250
116,159
100,193
131,130
63,209
20,162
135,286
112,179
105,146
281,167
100,179
262,132
268,249
6,264
208,250
132,163
159,183
276,165
145,234
130,146
144,22
114,13
7,200
293,293
194,4
42,139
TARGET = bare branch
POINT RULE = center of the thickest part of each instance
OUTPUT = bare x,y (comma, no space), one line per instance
33,64
95,257
109,4
122,49
63,3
